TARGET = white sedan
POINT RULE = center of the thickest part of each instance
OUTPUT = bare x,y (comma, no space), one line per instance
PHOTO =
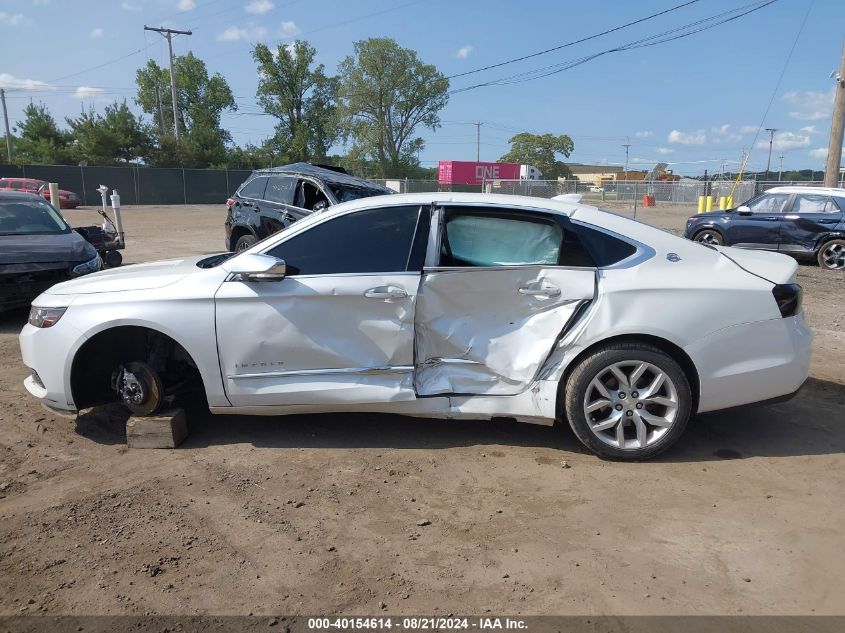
439,305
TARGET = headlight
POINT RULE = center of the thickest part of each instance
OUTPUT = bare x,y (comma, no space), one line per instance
45,317
91,266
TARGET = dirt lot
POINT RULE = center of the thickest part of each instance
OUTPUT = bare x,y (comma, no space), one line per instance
363,514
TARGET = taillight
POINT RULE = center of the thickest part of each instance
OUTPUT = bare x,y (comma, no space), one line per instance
788,298
229,202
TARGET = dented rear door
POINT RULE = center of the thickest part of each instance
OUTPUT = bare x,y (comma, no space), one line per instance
491,309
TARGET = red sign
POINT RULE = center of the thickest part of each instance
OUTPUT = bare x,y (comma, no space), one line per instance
459,172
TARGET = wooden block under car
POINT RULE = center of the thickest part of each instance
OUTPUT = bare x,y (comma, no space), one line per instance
165,430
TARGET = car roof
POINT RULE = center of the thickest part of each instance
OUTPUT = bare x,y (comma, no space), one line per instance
830,191
7,195
327,175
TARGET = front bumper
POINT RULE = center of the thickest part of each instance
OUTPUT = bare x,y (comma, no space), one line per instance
49,351
752,362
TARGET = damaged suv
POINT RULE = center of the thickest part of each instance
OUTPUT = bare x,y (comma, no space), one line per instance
441,305
272,199
37,249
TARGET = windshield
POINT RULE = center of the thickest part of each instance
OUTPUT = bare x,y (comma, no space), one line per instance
30,217
345,193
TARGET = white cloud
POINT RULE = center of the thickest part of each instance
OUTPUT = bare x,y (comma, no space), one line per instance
643,133
748,129
811,105
643,161
664,150
186,5
785,141
259,7
11,19
697,137
87,92
724,134
464,51
12,82
288,28
96,33
130,6
819,152
247,33
809,129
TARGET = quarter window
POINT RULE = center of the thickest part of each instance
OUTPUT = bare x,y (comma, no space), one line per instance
813,203
369,241
254,188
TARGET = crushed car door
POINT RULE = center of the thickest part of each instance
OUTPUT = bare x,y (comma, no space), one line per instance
505,284
339,327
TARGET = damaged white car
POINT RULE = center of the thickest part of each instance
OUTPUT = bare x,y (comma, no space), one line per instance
440,305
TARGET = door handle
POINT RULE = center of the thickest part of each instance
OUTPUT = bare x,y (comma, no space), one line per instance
385,292
546,291
772,217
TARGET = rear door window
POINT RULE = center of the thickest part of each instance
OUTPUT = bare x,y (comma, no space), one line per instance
16,184
254,188
280,189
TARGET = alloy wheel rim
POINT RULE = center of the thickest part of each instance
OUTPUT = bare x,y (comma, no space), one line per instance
707,238
834,256
242,247
631,404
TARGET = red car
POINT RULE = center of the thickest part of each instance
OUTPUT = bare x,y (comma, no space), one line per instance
67,199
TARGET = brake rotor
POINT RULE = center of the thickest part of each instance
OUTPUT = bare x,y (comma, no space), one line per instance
139,388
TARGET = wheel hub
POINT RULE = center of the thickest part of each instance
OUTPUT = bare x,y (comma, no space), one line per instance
139,387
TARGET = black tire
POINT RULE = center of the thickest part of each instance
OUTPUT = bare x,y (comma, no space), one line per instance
113,259
831,255
709,236
581,380
244,242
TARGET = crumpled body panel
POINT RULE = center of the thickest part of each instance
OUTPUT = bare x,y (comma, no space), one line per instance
488,330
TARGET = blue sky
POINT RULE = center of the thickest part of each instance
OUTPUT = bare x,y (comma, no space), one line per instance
692,103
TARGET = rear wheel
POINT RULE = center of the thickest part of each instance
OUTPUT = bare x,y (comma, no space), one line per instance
628,401
709,237
244,242
832,255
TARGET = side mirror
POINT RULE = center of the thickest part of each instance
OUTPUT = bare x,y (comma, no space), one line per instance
743,210
255,267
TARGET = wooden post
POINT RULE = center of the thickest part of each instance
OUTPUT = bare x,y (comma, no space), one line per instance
166,430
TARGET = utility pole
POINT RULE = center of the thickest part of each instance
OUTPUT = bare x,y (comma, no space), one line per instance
780,171
477,141
837,127
771,132
169,33
6,121
626,145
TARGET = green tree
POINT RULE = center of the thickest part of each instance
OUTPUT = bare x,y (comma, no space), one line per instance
116,136
298,93
386,94
40,140
541,151
201,99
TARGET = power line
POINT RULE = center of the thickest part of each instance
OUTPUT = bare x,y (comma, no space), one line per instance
573,43
660,38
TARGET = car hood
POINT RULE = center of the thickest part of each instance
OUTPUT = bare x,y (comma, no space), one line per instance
44,249
136,277
774,267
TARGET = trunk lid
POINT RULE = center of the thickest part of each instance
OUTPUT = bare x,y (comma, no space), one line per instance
773,267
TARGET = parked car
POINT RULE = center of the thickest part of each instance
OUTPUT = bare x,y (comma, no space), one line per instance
596,189
272,199
443,305
805,222
37,249
67,199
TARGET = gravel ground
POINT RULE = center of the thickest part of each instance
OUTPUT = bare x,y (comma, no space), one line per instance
365,514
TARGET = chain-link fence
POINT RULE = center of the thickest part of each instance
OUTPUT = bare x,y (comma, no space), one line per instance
679,192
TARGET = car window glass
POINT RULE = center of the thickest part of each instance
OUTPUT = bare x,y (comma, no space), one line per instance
253,189
768,203
605,249
280,189
369,241
16,184
812,203
490,240
311,197
30,217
